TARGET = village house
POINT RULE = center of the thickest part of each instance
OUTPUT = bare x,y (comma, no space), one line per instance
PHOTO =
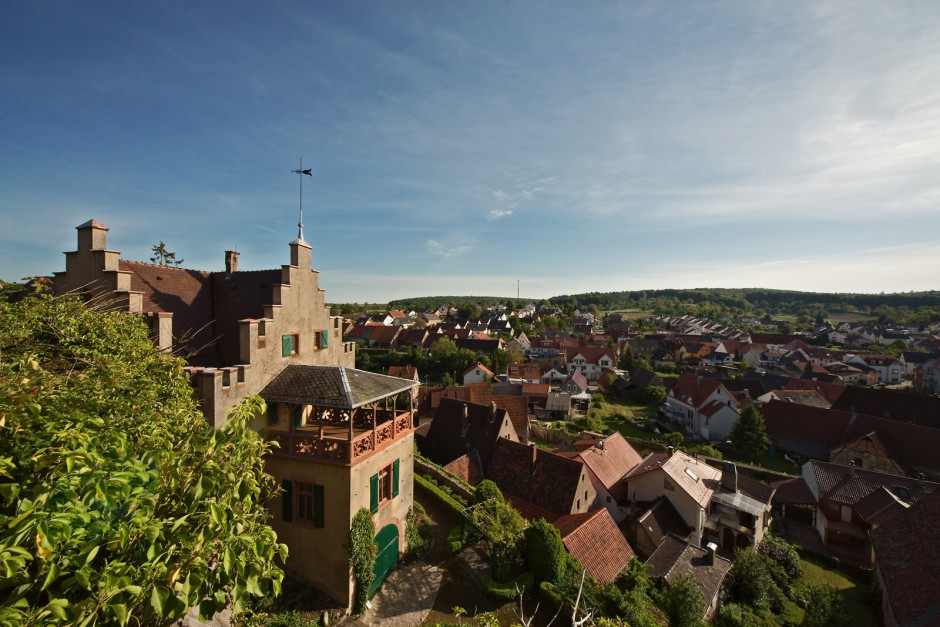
608,461
844,503
344,442
590,362
477,374
702,407
676,557
594,540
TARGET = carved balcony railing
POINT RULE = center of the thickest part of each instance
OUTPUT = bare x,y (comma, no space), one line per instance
335,444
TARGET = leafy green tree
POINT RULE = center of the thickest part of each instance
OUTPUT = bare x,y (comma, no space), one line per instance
683,602
119,503
362,552
163,257
545,551
751,581
500,525
749,435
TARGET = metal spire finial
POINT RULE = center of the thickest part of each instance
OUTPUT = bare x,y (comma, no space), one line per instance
300,215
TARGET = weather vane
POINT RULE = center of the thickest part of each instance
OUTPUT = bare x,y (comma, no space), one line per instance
300,217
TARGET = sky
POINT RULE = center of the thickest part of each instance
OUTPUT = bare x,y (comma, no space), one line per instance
460,147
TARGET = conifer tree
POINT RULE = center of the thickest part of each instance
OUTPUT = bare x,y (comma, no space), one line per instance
749,434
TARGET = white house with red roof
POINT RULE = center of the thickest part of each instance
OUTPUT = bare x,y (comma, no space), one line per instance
703,407
478,374
590,362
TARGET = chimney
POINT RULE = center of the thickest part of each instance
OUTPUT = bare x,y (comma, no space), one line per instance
535,454
231,261
712,547
729,477
671,450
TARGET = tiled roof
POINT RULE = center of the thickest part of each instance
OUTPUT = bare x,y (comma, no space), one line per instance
331,386
591,355
693,389
905,406
467,467
849,485
461,426
907,551
879,506
187,294
661,519
693,476
403,372
518,409
548,481
789,425
485,370
595,541
536,389
611,460
675,557
791,491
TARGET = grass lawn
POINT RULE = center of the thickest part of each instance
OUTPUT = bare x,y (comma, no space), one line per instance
857,605
627,418
777,463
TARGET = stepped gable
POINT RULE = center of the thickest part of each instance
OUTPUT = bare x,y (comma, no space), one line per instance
537,482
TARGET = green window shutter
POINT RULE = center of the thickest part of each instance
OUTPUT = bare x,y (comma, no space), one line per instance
318,506
287,500
299,417
272,414
395,479
374,493
285,346
325,335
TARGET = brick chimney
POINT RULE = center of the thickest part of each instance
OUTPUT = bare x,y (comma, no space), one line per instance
231,261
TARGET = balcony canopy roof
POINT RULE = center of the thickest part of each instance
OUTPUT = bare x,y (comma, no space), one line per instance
332,386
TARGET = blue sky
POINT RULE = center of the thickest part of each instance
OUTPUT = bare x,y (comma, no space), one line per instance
460,147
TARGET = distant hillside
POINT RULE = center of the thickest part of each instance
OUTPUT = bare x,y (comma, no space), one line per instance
907,307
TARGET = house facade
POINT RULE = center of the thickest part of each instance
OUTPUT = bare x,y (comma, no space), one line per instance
344,440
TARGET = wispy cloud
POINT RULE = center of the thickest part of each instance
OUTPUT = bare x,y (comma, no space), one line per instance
496,214
437,248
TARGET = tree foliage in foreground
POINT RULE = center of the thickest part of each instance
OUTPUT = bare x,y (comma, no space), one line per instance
118,502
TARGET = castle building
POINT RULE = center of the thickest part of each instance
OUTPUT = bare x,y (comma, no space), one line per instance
345,436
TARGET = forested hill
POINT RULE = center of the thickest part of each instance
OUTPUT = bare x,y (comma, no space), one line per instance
912,306
899,307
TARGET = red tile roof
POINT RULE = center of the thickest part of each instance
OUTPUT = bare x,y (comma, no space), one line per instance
610,460
595,541
518,409
590,354
693,389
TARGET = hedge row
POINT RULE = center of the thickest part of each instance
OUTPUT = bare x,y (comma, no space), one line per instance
446,501
507,591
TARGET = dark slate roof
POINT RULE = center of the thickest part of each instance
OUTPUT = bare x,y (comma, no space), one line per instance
907,551
453,432
662,519
904,406
332,386
849,485
545,480
594,540
675,557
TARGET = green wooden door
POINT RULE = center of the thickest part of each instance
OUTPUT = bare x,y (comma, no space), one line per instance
387,558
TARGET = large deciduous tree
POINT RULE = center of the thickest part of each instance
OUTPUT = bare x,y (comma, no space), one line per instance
119,504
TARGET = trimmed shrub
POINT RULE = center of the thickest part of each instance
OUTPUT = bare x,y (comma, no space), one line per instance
455,539
507,591
551,594
545,552
448,502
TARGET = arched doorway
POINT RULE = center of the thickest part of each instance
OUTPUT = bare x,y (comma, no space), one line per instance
387,557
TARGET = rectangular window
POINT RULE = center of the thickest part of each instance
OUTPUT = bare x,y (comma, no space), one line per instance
289,344
299,417
383,486
272,414
310,503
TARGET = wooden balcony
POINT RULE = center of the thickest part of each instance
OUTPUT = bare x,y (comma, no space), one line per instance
344,442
